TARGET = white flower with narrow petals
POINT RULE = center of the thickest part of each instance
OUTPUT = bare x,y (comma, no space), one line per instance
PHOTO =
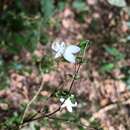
68,104
67,51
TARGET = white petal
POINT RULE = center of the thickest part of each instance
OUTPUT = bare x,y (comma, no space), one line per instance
58,54
69,51
62,44
68,102
62,99
55,46
69,108
69,57
63,105
72,49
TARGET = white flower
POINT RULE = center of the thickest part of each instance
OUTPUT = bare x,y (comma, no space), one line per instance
68,104
67,51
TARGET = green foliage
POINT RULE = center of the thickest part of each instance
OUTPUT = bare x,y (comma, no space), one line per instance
95,26
60,93
96,125
128,10
20,27
128,24
18,31
4,80
117,3
115,53
128,38
81,9
80,5
47,64
84,45
61,5
47,8
12,122
126,71
107,67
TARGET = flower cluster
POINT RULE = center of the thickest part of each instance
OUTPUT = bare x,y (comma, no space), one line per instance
67,51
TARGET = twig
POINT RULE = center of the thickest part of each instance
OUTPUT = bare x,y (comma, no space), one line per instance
78,69
32,100
108,108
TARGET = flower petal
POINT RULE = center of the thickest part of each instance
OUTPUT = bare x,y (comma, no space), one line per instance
63,105
55,46
62,99
72,49
69,108
69,57
58,54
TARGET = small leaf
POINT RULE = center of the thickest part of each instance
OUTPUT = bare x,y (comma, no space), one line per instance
80,6
128,38
19,39
128,24
118,3
83,45
128,10
126,71
107,67
114,52
47,8
61,5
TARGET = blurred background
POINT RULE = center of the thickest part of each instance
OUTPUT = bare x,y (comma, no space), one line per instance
27,30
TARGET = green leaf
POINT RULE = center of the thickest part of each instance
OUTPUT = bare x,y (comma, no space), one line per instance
61,5
118,3
47,64
126,71
107,67
128,10
83,45
128,38
16,66
47,8
33,40
81,128
128,24
80,6
20,40
114,52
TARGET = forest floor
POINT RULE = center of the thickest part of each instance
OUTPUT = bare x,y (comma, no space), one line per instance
100,90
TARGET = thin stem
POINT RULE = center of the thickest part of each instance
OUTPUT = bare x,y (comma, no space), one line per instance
32,100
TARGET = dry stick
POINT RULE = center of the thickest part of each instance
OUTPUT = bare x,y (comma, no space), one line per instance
108,108
71,85
33,99
63,119
77,71
60,87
